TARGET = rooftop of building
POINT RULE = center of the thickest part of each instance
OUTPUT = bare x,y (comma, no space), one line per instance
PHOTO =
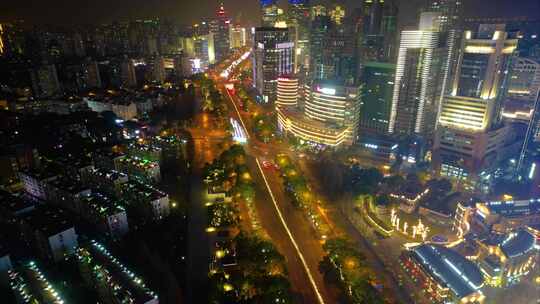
48,220
449,268
514,208
109,154
41,174
125,96
146,147
16,204
108,174
68,184
79,161
143,190
130,285
138,162
103,205
518,243
32,286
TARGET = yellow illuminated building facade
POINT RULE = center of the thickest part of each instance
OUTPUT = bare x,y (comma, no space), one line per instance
287,91
471,138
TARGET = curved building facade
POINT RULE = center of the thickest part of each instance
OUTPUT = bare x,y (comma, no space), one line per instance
301,126
330,115
287,91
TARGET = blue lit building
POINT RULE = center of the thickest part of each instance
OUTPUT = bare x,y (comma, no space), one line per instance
444,275
505,259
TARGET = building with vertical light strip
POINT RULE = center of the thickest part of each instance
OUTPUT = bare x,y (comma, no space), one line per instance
414,101
471,139
273,57
219,27
287,91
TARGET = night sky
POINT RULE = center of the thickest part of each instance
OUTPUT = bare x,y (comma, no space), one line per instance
189,11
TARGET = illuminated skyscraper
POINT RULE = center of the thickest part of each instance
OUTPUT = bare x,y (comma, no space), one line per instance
524,82
128,76
273,57
378,87
299,28
219,27
238,36
415,98
333,54
269,10
379,30
450,13
471,138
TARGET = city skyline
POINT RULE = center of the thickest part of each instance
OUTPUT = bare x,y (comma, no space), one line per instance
290,152
188,12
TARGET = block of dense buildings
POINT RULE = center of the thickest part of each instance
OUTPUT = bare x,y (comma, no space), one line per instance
114,282
50,232
152,202
35,182
141,168
29,285
106,213
107,181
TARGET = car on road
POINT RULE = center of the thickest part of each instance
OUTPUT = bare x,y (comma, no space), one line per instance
267,164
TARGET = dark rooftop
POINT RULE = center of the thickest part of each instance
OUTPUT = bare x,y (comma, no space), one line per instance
451,269
515,208
518,243
48,220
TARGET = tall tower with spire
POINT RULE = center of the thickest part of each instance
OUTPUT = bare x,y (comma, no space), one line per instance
219,27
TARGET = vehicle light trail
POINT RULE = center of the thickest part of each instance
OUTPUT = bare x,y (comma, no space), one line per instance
238,113
296,247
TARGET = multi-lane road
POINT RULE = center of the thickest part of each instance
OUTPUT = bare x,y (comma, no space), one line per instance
289,228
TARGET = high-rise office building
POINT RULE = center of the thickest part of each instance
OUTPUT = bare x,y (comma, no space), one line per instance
91,76
318,10
377,89
471,138
337,14
45,81
155,69
379,30
269,10
415,99
238,36
529,159
273,57
219,27
524,81
299,27
333,53
450,13
12,40
127,73
320,28
204,49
